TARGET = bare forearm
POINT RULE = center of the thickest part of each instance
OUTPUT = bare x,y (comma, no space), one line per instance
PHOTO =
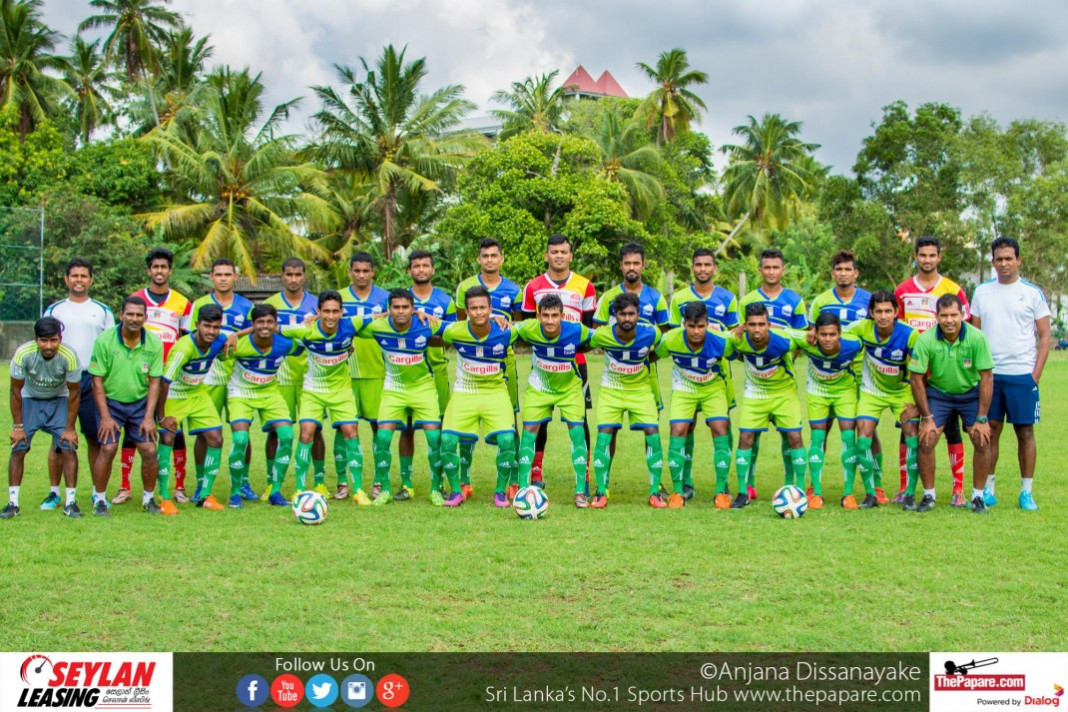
919,394
16,404
986,392
74,401
153,395
164,391
100,397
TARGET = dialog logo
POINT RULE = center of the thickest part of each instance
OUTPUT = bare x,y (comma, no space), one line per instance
252,690
287,690
321,690
356,690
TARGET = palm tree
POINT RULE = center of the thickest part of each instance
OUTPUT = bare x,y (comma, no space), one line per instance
243,188
87,75
385,128
672,105
182,60
138,29
350,197
627,156
26,46
535,105
767,171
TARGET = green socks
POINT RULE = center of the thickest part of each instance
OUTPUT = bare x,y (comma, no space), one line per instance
755,451
849,460
797,461
505,457
354,461
406,470
687,466
912,465
527,442
866,463
743,466
787,461
677,461
433,454
467,451
654,461
602,460
237,460
319,468
815,460
340,459
579,456
450,463
164,454
383,457
212,463
281,457
302,458
878,469
200,475
721,452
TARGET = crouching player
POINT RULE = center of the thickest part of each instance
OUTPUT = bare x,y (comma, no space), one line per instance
185,397
698,385
554,382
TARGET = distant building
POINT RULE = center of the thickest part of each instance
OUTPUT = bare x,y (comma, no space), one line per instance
581,85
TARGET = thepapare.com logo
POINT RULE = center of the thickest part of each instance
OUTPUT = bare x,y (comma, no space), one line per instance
85,683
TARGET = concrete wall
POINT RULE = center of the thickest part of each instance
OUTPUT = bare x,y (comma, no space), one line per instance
12,335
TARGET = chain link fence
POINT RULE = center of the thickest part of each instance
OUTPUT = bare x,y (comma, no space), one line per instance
21,274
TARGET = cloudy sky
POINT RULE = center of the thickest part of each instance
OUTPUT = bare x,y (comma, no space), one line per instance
827,63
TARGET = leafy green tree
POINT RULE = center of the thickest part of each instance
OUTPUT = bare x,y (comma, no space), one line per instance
385,128
628,158
29,164
26,46
87,75
864,226
183,59
673,105
534,103
121,172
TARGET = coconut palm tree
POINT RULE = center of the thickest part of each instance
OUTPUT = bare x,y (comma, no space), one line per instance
672,105
243,192
26,46
627,156
137,29
383,127
535,105
88,77
182,60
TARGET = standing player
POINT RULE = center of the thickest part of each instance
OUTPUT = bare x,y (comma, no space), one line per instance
785,310
84,320
884,386
698,384
1012,312
126,365
167,317
293,304
436,303
45,390
628,346
184,398
951,373
409,393
479,400
580,302
917,297
721,307
506,301
769,395
236,311
553,383
366,371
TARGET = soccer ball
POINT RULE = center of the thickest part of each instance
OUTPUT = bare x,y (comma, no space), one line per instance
789,502
531,503
309,507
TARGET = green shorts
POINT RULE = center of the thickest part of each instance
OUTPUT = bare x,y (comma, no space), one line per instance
511,374
654,384
269,407
368,395
291,395
871,406
469,414
757,413
842,405
418,403
197,411
341,406
442,391
710,399
732,400
218,398
639,405
538,406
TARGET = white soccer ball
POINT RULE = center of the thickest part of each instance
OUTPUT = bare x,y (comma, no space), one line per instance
531,503
309,507
789,502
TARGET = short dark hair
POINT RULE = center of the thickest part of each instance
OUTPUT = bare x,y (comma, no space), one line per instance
46,327
928,241
223,262
261,310
79,262
488,242
632,248
551,301
329,295
476,292
295,263
1003,241
420,255
159,253
624,300
882,296
843,256
132,301
772,253
828,318
703,252
694,311
948,300
211,312
558,239
400,294
361,257
755,309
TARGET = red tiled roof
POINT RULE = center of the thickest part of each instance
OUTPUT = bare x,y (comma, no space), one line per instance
609,86
582,81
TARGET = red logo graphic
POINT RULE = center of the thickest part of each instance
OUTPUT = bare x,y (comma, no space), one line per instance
287,690
392,690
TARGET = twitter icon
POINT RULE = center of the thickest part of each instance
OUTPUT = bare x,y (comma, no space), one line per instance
321,690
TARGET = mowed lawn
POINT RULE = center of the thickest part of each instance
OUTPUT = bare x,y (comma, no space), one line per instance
412,577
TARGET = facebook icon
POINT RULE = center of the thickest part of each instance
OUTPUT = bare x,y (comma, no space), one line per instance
253,690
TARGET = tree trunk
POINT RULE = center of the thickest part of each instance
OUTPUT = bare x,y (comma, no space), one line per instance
389,220
734,231
151,96
552,174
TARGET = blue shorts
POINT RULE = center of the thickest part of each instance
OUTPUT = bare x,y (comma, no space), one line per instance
1016,400
88,418
129,417
48,415
946,405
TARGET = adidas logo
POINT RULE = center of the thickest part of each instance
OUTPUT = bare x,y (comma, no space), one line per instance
524,460
815,458
723,464
672,463
283,460
580,460
382,464
598,463
237,466
450,466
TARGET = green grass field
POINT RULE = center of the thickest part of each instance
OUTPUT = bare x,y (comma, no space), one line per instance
411,577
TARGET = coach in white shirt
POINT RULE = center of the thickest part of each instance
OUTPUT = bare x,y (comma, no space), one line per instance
1015,316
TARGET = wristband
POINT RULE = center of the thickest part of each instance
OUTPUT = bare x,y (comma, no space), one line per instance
927,416
17,426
